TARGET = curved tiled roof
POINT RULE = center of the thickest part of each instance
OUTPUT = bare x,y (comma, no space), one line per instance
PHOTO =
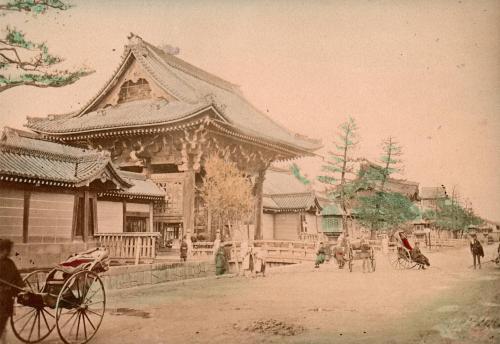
194,89
283,192
132,114
31,160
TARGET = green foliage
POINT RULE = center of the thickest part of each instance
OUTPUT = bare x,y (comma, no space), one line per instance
35,6
383,210
338,166
24,62
56,79
296,172
450,215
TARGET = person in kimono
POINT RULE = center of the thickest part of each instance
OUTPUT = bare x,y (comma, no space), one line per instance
220,261
320,255
8,275
184,250
418,257
259,262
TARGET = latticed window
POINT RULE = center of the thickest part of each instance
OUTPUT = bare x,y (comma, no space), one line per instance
134,90
330,224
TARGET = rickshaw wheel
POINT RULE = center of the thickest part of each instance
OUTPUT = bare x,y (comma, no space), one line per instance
394,260
32,324
80,307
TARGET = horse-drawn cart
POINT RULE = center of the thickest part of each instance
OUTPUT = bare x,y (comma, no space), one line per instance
70,297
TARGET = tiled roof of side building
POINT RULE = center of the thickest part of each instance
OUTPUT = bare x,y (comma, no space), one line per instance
24,158
282,191
141,186
194,89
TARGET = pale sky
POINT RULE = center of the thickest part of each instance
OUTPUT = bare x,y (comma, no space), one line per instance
427,72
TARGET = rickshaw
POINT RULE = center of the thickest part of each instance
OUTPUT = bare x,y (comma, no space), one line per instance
401,257
70,297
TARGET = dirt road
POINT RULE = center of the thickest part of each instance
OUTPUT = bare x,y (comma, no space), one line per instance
448,303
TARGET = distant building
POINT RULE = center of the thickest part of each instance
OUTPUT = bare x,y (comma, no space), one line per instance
430,196
291,209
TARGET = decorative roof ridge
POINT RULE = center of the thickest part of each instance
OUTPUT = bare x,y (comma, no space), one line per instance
138,51
193,70
124,62
82,157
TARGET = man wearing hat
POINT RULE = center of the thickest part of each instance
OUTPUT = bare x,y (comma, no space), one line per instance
477,250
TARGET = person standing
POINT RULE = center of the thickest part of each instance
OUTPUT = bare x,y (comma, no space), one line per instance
9,274
184,250
365,254
320,255
477,251
220,261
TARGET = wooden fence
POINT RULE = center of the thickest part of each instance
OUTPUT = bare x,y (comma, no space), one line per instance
274,250
129,246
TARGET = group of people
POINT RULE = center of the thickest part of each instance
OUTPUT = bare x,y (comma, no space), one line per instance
253,259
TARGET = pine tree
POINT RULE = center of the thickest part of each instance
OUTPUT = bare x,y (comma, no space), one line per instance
339,167
384,209
27,63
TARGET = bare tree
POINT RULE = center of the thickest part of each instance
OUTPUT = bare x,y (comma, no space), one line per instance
227,192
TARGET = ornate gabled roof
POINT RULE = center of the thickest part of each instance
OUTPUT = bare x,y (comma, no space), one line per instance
27,159
193,90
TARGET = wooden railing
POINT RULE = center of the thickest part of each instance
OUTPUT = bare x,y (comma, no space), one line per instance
308,237
274,250
128,246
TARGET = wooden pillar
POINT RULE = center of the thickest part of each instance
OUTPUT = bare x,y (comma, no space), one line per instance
124,224
188,202
75,216
86,215
259,188
26,215
94,215
151,224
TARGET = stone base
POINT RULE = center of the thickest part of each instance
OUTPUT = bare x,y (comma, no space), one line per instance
128,276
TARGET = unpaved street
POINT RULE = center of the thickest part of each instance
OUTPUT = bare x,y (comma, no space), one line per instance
448,303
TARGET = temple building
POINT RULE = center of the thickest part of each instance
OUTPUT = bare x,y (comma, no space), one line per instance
162,117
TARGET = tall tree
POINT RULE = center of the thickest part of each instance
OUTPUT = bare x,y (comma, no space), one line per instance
384,209
339,167
27,63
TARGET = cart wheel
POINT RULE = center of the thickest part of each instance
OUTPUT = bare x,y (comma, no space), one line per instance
32,324
80,307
